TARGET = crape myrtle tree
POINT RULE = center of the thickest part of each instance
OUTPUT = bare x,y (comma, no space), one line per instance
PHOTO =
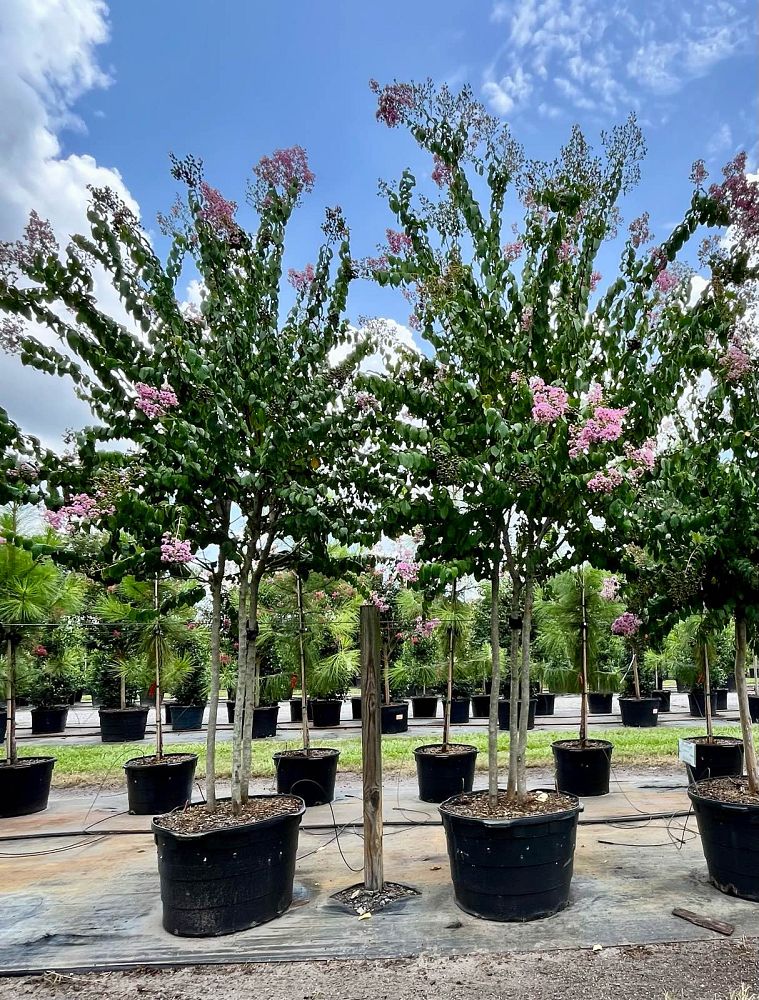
542,395
239,414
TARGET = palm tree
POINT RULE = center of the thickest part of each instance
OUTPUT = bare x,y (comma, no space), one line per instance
33,591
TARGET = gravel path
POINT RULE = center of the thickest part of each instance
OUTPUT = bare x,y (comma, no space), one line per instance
714,970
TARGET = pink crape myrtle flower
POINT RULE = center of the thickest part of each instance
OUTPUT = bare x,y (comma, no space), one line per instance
567,249
365,402
300,280
626,625
40,651
665,281
605,482
513,251
216,210
639,231
379,602
393,101
286,168
155,403
80,508
174,550
610,588
550,402
736,363
406,570
603,426
641,459
441,174
526,318
595,280
399,243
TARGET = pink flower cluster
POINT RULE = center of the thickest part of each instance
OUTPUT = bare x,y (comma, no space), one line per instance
82,507
423,629
610,588
39,651
399,243
300,280
659,259
567,249
626,625
526,318
595,279
665,281
365,401
603,426
393,101
741,196
735,361
513,251
216,210
639,231
641,459
173,550
698,173
442,174
285,169
605,482
154,403
516,377
406,570
549,402
379,602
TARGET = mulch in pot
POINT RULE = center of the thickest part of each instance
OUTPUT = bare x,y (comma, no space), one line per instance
438,750
728,790
167,758
197,819
579,745
477,805
359,900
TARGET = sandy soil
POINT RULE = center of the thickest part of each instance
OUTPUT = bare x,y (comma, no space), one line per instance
714,970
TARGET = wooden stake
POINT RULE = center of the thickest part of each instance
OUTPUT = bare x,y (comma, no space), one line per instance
584,677
371,747
158,720
302,652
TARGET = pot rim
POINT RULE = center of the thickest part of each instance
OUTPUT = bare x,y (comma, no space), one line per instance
26,761
426,746
301,751
561,744
164,762
142,709
731,740
328,701
737,807
501,823
638,701
259,824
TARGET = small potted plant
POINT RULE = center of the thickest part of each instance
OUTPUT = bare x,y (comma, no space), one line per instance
114,689
639,708
190,695
51,691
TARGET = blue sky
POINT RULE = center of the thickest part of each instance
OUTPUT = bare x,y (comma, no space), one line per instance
102,88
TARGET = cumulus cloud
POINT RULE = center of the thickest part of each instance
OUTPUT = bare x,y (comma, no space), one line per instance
608,55
48,60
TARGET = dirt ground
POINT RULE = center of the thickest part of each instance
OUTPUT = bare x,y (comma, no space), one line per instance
715,970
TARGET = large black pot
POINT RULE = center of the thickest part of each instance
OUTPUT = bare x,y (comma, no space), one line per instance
227,880
25,786
511,869
582,770
184,717
459,712
697,703
3,724
161,785
639,713
49,720
480,706
599,702
122,725
309,775
721,694
731,682
395,718
504,711
296,709
356,707
424,706
730,840
721,758
264,720
664,695
753,707
442,775
545,703
326,712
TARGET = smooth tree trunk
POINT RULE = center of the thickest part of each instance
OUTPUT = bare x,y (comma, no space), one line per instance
524,692
516,634
213,703
451,663
386,669
158,720
636,676
122,686
495,679
708,696
10,704
302,653
584,664
252,691
240,690
741,687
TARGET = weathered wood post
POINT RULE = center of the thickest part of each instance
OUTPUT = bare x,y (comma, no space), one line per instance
371,746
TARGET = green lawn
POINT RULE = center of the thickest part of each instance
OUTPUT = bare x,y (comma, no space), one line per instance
101,763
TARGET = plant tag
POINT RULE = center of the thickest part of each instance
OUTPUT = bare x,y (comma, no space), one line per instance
399,716
687,752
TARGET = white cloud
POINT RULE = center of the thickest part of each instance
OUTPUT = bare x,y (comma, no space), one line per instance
608,55
721,141
47,61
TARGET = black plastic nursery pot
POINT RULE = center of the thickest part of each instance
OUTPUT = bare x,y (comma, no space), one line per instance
227,879
310,774
753,707
296,709
480,706
156,786
723,757
167,707
264,720
25,786
721,694
582,769
122,725
424,706
697,703
511,869
664,695
356,707
504,711
3,725
184,717
326,712
599,702
395,718
731,682
545,703
49,720
639,713
459,711
730,841
442,774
